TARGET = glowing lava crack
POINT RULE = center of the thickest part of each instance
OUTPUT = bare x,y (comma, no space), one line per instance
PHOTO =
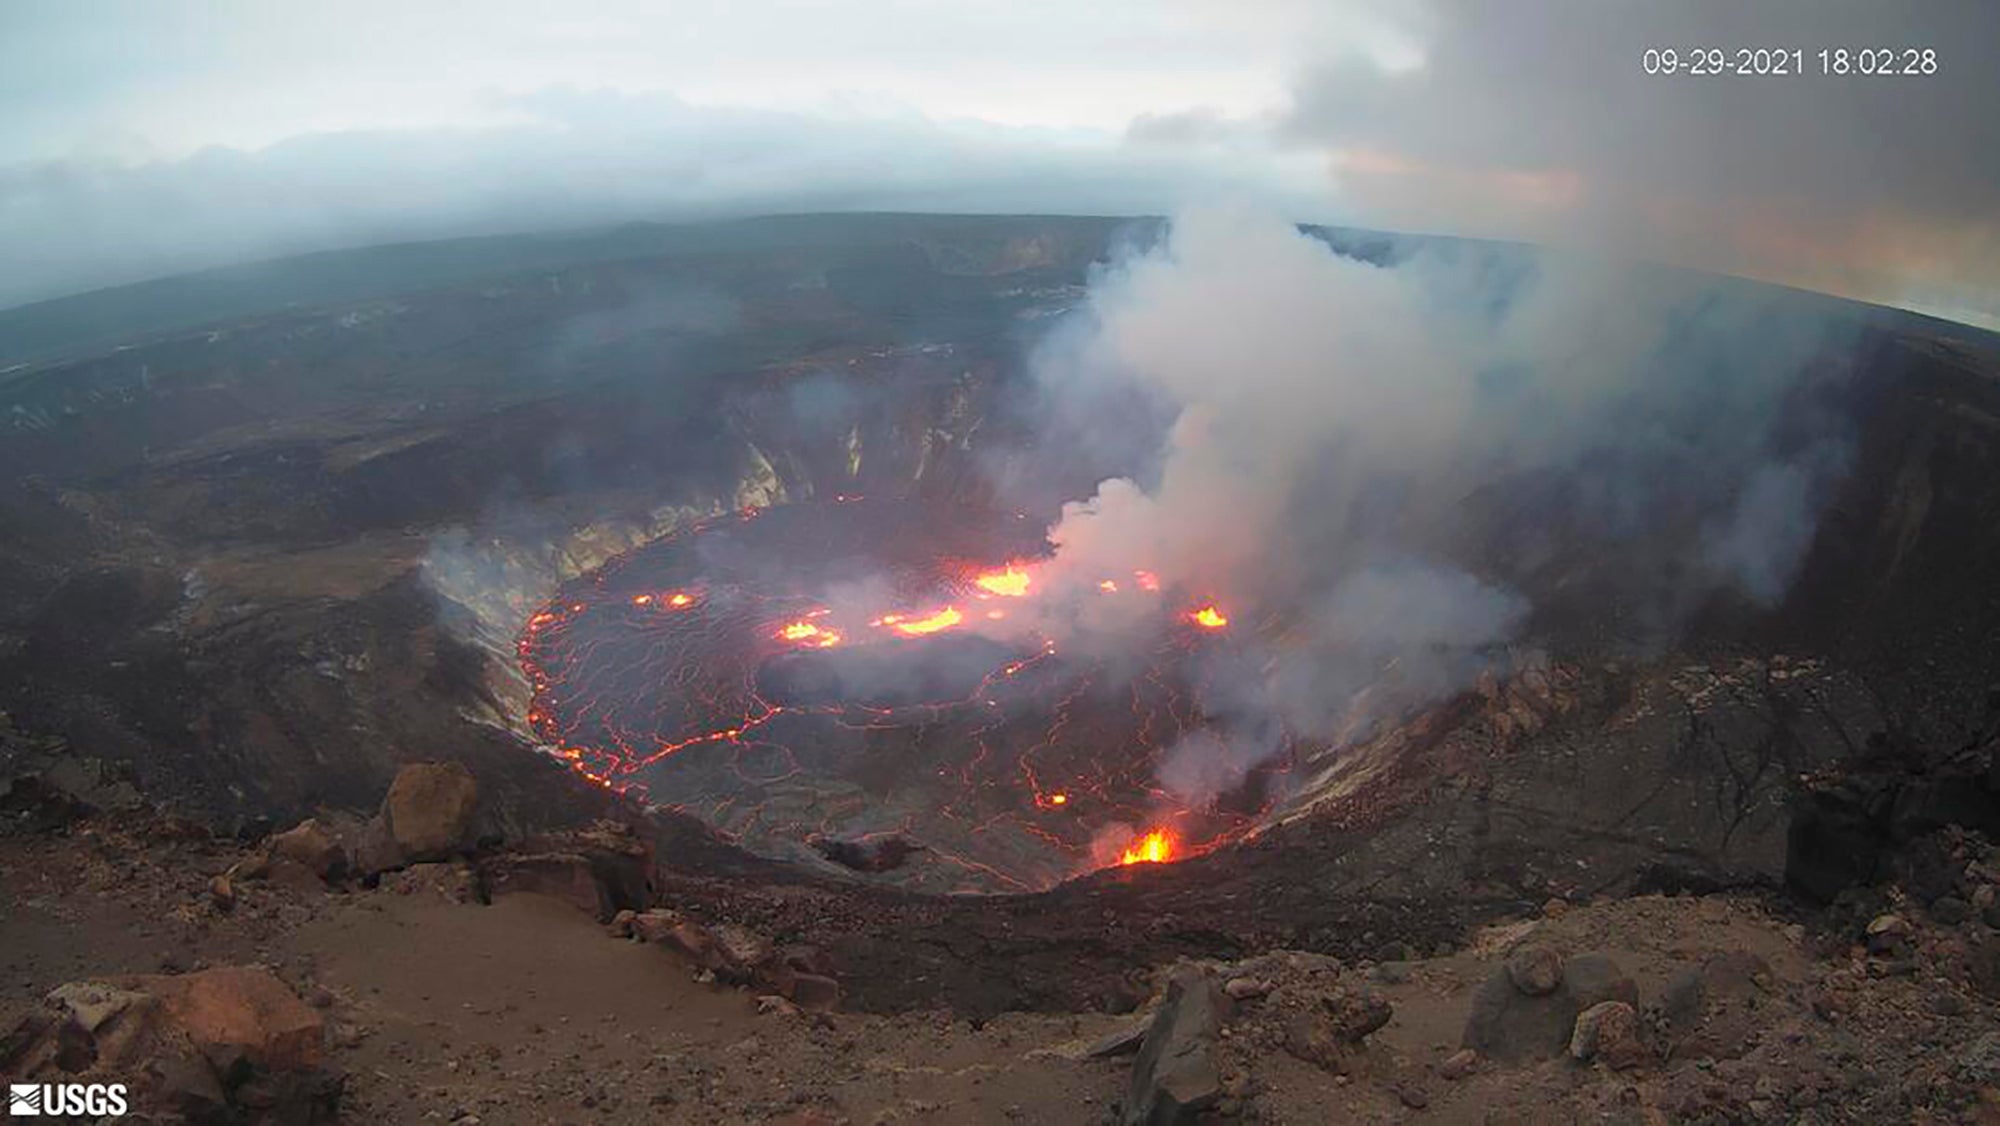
822,672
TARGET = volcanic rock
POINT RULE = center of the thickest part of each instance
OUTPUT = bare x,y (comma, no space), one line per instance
1535,969
602,870
1119,1041
456,882
222,893
653,925
740,952
566,876
867,854
229,1044
1590,978
1682,999
1175,1077
1245,988
691,941
373,848
241,1007
429,809
814,993
1459,1064
312,846
1609,1032
1886,934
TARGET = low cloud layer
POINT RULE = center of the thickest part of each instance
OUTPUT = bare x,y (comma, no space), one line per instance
1537,120
583,158
1531,120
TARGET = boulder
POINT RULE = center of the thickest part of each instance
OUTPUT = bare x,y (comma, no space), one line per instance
1176,1078
1459,1064
373,849
603,869
1608,1032
867,854
313,847
692,941
1326,1032
654,925
242,1007
429,809
226,1045
1535,969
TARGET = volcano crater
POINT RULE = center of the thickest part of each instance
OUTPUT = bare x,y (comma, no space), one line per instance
822,671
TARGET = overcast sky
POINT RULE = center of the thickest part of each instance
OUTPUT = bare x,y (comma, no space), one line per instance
147,137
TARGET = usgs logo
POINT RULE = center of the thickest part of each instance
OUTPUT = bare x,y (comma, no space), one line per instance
99,1100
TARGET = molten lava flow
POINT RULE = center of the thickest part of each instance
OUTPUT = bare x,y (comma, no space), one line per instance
680,599
810,634
1108,586
1011,582
1156,847
642,600
1208,617
943,619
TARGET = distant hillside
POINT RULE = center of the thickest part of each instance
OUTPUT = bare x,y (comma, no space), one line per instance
65,326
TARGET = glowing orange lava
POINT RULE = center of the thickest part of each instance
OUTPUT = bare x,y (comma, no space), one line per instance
943,619
1058,799
1208,617
1011,582
1108,587
1156,847
809,633
679,599
641,599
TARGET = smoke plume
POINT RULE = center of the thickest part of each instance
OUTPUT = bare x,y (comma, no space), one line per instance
1386,471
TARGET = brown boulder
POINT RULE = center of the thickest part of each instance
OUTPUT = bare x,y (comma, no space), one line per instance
1608,1032
240,1007
653,925
429,809
313,847
226,1045
691,941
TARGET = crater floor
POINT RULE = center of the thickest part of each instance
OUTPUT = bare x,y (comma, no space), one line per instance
809,681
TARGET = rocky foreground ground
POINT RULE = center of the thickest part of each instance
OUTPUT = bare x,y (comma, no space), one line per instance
395,969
